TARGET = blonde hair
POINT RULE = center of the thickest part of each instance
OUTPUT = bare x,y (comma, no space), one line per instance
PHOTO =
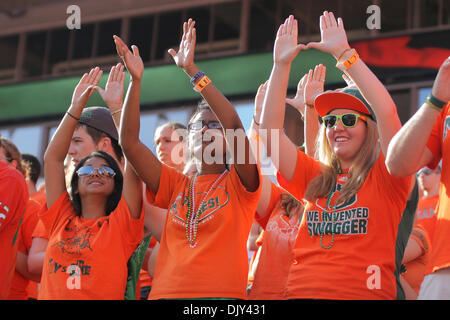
322,185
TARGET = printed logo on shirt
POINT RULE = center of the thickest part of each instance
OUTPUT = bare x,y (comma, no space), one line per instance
286,228
80,240
424,213
342,220
217,200
3,212
446,127
55,267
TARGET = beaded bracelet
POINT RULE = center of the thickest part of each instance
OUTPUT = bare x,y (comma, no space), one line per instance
197,76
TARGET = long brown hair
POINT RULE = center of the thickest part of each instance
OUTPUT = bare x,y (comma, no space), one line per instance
12,153
322,185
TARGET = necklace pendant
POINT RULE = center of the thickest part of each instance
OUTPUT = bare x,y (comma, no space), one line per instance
193,244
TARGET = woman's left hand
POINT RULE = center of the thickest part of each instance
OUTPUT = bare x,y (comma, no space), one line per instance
184,58
333,36
113,92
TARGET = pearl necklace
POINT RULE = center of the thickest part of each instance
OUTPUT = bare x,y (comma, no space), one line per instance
192,220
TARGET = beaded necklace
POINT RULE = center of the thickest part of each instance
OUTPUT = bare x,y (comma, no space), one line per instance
192,219
333,209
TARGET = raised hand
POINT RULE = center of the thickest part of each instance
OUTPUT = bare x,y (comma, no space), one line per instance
333,36
132,60
85,88
113,93
259,100
184,58
298,102
441,85
314,84
286,45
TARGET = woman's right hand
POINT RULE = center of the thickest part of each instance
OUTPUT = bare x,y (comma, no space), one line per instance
85,88
286,45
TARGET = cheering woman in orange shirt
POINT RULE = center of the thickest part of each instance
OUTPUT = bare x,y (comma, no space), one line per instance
93,230
210,214
345,248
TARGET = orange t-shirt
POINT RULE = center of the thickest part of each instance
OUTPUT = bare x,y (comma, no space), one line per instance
426,214
19,284
40,197
87,258
276,254
415,269
40,231
439,145
13,200
217,266
361,261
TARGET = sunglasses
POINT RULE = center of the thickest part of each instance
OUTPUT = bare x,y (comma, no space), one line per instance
90,170
199,125
349,120
426,172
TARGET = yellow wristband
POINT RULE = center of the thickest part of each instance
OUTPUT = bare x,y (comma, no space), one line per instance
202,83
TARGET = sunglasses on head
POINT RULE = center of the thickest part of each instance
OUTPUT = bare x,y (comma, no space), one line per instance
349,120
90,170
199,125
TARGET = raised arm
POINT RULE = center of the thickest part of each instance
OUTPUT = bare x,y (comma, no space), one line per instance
113,97
308,88
334,41
113,92
225,112
143,160
408,151
285,50
257,149
59,145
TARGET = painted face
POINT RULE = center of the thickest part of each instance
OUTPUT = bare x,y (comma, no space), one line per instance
205,142
81,145
428,179
166,141
344,141
96,182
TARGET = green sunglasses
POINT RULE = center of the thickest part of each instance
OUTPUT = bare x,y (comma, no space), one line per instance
349,120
